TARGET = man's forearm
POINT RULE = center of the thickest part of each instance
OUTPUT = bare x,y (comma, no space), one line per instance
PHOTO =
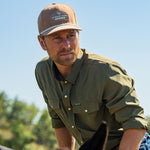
64,138
132,139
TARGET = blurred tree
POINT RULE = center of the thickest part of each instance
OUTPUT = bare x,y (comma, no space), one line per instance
4,105
23,113
16,122
21,117
44,131
5,134
22,135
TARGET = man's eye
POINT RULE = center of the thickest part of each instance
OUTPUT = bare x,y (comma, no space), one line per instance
57,37
71,35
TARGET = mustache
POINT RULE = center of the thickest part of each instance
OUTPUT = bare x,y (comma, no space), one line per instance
66,50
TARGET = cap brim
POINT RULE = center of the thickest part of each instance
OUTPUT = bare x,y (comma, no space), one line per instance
60,28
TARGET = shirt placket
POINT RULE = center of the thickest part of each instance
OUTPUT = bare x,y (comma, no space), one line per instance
66,95
66,88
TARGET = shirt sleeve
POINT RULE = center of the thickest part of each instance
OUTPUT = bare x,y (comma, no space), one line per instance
56,121
121,100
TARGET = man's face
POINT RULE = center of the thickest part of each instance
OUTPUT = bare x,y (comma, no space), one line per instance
63,46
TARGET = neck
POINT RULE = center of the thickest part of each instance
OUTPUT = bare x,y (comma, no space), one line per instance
64,70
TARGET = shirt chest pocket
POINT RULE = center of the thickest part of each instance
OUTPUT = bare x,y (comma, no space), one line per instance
87,116
85,108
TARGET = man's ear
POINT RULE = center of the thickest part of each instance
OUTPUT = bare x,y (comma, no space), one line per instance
42,43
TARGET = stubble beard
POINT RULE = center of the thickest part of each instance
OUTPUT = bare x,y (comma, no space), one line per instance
65,60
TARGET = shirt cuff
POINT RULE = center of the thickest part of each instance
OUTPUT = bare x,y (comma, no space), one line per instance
135,123
57,123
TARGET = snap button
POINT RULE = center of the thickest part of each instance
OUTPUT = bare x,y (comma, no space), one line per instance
72,126
69,108
66,82
66,96
86,110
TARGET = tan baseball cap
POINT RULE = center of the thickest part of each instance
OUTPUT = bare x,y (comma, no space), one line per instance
57,17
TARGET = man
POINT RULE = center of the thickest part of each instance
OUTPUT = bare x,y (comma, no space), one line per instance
82,89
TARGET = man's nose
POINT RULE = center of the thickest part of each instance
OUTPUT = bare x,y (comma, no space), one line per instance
66,43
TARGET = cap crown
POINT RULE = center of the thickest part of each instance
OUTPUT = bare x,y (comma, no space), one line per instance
56,17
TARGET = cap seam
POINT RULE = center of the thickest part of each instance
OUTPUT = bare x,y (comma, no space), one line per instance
50,28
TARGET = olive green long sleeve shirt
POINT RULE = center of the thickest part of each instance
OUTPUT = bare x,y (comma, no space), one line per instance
96,89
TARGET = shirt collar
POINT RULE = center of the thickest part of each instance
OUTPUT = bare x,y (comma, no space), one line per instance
75,68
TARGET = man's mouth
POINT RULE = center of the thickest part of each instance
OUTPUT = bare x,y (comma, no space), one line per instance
66,54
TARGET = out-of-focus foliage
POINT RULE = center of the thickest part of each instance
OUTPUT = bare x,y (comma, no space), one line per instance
20,129
44,132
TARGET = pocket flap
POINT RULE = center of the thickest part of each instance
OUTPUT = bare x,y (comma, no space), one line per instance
88,107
